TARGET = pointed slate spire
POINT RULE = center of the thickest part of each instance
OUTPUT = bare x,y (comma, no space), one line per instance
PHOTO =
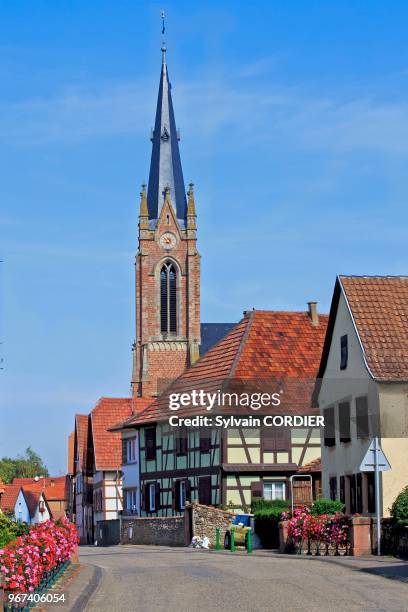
165,165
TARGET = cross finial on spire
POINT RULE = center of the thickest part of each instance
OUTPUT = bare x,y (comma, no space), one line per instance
163,38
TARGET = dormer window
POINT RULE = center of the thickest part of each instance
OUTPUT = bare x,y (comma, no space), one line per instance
343,352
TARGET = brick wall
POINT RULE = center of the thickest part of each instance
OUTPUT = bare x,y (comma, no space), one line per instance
158,531
205,520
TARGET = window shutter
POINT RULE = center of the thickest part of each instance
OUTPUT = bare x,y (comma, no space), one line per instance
145,504
181,442
363,429
150,443
282,435
268,439
342,491
174,500
344,421
205,441
256,490
188,490
204,490
329,433
275,439
157,497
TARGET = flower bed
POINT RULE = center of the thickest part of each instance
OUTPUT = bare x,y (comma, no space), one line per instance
322,534
34,560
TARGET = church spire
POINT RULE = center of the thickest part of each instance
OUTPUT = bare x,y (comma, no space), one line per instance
165,165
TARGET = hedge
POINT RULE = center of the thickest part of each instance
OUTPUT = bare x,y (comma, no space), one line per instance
267,516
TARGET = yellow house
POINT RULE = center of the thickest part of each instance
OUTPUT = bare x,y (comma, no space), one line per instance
362,389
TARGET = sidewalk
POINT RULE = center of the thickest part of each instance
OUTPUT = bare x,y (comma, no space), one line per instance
78,584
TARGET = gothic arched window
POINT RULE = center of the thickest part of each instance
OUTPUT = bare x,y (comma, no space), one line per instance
168,299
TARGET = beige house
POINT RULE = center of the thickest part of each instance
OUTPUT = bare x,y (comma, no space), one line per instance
362,389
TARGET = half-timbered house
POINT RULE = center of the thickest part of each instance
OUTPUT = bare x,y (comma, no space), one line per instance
233,465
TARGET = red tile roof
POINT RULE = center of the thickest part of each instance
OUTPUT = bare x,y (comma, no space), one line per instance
264,346
379,306
32,496
311,467
107,444
71,455
81,441
54,487
9,497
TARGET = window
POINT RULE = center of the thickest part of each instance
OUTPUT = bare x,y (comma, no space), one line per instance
168,299
131,450
359,493
131,500
150,443
342,490
370,478
353,504
343,352
329,434
363,429
333,487
344,422
204,490
181,493
274,490
153,493
276,439
181,442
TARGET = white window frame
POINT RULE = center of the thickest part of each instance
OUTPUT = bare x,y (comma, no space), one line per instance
152,497
182,495
273,489
131,450
131,496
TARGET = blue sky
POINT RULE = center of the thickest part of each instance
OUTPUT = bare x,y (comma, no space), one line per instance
294,125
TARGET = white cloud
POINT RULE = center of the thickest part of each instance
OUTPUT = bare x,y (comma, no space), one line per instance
255,112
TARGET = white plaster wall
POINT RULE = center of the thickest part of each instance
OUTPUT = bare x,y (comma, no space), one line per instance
24,515
345,385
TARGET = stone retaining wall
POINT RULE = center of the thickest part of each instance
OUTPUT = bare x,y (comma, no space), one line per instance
205,520
198,520
159,531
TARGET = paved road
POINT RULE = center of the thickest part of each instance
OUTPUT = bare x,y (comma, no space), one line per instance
155,579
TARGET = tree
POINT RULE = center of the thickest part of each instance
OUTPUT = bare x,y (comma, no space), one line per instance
24,466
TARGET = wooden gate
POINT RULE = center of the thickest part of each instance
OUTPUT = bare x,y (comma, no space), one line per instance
302,493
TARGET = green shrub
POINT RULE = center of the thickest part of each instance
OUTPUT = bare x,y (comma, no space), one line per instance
399,509
263,504
327,506
10,530
267,517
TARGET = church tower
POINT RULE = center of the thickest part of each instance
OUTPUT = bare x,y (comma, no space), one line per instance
167,262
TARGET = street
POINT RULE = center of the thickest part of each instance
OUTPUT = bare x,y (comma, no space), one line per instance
179,579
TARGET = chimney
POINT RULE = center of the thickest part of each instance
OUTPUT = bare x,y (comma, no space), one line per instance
312,311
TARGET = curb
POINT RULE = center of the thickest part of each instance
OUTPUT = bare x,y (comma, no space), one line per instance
82,600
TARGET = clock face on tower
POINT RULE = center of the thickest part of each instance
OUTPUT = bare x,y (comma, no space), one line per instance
168,241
